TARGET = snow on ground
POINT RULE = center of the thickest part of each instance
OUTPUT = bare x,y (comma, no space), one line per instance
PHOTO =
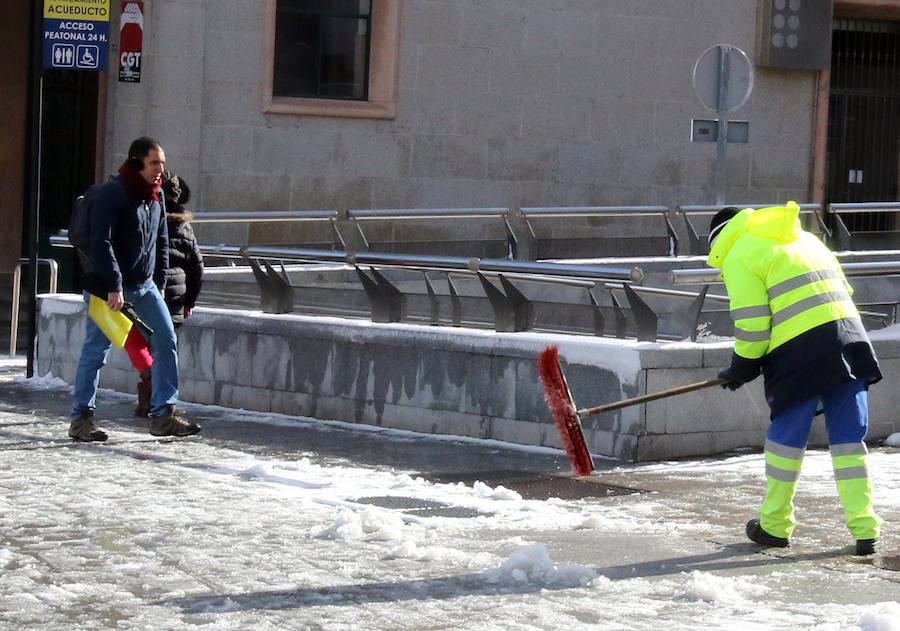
148,534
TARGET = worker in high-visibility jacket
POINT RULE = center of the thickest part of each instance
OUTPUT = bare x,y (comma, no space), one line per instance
794,322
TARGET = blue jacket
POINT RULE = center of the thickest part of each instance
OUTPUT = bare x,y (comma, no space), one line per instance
129,238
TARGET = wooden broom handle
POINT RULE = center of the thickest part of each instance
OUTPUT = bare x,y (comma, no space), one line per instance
597,409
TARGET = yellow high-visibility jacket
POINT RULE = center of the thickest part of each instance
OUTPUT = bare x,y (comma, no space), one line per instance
794,318
782,280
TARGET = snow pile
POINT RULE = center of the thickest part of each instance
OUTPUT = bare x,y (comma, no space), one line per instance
371,523
712,588
594,522
47,382
893,440
532,565
499,493
705,334
881,617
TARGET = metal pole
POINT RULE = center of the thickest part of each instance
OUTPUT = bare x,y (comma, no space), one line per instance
33,170
720,174
14,312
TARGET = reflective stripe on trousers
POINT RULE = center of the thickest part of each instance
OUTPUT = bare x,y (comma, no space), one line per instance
846,419
776,515
851,474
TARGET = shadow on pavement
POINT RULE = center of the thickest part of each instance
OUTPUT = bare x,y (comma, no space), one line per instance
729,557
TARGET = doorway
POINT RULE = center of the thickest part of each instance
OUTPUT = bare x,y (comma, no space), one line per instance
863,154
68,156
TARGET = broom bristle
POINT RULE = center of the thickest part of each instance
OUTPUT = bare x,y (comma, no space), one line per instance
556,394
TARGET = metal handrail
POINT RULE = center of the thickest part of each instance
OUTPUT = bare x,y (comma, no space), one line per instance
16,291
529,213
360,216
711,275
864,207
713,209
455,263
694,236
426,213
237,216
661,291
581,211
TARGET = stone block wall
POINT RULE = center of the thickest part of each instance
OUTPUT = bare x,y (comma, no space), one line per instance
456,381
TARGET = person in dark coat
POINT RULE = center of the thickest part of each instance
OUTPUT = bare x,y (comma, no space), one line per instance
184,276
129,254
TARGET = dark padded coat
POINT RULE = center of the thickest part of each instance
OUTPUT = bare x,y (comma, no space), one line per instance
184,275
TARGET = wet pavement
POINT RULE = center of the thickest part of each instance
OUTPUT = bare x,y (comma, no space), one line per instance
272,522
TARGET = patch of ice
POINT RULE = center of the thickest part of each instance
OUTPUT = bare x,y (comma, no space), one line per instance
441,554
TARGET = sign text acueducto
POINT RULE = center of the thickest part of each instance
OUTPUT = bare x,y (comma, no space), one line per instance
78,9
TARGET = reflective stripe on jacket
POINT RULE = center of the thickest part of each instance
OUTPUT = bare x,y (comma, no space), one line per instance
782,281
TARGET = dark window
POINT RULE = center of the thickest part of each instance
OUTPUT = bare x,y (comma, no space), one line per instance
322,49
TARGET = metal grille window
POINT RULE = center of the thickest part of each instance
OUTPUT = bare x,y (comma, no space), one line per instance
864,117
322,49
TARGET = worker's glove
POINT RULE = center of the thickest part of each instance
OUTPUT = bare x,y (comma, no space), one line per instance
732,381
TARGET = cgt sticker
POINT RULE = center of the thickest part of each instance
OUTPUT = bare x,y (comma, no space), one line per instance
131,39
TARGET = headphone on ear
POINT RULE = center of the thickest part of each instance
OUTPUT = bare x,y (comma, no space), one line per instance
135,163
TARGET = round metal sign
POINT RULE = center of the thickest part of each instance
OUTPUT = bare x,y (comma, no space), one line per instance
723,73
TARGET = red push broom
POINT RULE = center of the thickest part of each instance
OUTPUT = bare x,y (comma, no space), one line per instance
568,417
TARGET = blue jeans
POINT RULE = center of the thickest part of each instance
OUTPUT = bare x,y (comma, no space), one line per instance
150,306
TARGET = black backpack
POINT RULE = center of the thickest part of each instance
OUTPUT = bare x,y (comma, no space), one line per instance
80,228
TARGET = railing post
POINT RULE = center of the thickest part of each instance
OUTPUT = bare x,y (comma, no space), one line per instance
388,302
53,268
513,312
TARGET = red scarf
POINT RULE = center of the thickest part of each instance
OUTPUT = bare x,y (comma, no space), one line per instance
136,183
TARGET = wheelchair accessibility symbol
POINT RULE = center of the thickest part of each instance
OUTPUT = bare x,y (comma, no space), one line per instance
88,57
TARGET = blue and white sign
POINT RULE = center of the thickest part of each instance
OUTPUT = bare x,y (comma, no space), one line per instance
76,34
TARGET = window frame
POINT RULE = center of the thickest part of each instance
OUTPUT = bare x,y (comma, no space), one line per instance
383,62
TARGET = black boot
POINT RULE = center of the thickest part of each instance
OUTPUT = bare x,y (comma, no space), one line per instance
760,536
865,547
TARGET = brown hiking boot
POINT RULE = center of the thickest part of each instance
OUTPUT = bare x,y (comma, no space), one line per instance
83,429
170,424
144,390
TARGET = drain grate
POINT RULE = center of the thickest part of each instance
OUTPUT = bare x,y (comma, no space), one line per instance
418,507
533,485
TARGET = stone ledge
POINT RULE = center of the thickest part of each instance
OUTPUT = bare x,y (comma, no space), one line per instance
455,381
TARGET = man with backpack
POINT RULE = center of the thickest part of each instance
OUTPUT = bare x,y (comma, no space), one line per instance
128,255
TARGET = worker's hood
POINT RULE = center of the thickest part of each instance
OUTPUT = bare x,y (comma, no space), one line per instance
777,223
